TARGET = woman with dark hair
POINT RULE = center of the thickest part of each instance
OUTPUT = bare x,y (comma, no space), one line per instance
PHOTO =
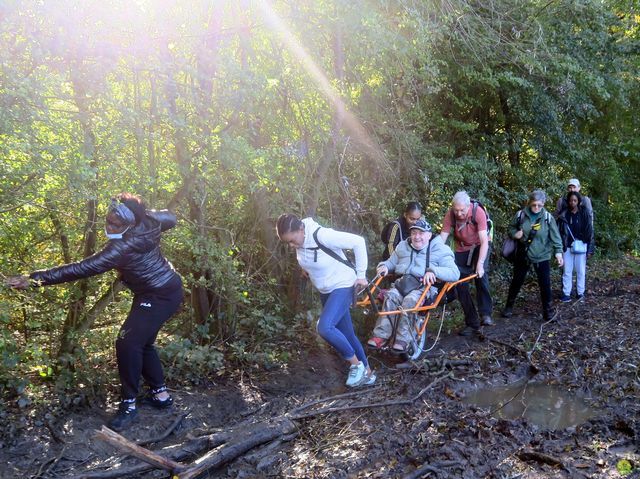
133,250
538,238
576,231
398,229
319,252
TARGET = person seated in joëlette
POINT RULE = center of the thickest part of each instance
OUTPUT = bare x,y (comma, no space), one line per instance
422,260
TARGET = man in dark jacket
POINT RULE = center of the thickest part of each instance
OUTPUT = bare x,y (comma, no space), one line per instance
134,250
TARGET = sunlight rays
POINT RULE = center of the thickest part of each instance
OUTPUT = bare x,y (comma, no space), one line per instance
350,122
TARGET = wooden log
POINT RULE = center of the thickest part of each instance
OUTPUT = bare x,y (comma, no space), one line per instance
259,435
123,444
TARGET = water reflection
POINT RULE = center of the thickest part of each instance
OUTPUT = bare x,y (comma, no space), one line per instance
543,404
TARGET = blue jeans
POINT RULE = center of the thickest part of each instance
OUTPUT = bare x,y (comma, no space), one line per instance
335,325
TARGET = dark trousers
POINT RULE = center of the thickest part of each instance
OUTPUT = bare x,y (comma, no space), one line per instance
483,295
135,351
543,273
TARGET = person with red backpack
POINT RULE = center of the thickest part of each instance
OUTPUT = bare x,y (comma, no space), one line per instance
471,232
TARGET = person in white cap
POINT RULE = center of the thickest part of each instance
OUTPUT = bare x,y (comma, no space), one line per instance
574,185
561,207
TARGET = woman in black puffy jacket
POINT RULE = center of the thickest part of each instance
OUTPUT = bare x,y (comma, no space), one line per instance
134,250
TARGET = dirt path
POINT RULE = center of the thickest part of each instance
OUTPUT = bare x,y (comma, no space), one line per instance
590,351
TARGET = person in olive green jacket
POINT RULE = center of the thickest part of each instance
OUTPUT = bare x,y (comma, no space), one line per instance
538,241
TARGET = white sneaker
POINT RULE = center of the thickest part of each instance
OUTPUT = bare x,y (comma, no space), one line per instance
368,380
356,373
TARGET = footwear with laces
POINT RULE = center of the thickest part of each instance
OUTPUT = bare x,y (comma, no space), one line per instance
125,416
368,379
151,399
356,373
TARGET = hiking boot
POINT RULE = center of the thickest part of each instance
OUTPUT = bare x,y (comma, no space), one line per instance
151,400
356,373
125,416
487,320
468,332
565,298
507,312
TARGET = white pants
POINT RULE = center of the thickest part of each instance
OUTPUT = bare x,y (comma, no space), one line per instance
571,262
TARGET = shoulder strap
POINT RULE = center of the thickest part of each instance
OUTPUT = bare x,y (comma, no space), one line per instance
473,212
520,217
399,229
330,252
428,254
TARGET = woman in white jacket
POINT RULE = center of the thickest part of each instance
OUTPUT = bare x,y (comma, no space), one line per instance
319,252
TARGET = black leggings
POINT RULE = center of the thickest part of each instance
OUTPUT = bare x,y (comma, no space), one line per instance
543,273
134,346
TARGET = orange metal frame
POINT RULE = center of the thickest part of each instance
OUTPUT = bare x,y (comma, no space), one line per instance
419,307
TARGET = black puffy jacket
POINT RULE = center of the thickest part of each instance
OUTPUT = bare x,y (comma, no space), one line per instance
136,256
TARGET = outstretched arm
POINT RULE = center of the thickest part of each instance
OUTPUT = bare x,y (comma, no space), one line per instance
101,262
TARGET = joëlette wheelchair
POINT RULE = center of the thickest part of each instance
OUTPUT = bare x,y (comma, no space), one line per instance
416,348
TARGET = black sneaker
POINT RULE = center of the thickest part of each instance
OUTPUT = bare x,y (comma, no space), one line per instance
124,417
151,400
468,332
507,312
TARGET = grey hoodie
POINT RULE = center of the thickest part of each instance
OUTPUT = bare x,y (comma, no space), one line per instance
441,260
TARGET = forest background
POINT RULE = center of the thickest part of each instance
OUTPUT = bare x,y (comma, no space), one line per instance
233,112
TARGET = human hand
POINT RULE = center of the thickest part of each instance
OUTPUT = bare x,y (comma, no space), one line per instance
429,278
382,270
480,270
560,259
361,282
17,282
518,234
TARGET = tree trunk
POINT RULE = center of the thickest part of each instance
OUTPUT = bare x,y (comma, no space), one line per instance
75,314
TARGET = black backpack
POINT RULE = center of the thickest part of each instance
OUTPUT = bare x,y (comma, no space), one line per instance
385,234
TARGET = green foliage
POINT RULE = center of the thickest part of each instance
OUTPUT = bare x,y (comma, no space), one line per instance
206,106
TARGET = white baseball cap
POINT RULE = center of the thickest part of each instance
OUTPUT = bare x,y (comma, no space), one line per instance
574,182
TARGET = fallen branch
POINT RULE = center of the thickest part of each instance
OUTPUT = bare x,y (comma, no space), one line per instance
257,434
356,393
435,468
48,464
123,444
216,458
166,433
531,455
372,405
442,364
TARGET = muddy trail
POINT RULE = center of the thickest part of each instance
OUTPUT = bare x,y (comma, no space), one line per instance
527,400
